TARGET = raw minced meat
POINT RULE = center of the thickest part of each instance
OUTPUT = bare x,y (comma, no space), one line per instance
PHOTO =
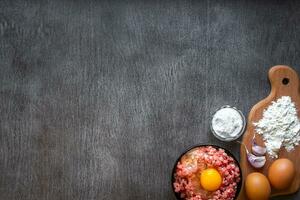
190,166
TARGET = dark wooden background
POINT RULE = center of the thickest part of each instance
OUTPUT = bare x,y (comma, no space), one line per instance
99,98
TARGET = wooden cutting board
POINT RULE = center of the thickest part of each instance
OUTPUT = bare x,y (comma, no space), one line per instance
284,82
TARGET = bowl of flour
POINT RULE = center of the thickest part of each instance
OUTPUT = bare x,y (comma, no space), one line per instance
228,123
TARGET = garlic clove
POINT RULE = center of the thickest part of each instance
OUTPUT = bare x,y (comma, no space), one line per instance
256,161
258,150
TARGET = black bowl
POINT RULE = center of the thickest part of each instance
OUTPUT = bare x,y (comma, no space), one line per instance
239,185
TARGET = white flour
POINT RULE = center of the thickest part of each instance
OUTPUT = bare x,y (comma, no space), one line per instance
227,123
280,126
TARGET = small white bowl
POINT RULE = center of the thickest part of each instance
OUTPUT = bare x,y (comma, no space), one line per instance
228,139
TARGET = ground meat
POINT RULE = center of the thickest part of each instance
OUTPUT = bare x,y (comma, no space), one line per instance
187,183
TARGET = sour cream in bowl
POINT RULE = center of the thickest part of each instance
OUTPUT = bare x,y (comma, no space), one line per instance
228,123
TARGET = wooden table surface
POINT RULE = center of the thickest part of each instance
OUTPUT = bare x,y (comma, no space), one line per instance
99,98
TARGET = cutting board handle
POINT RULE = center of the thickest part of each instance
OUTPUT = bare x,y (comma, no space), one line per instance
283,79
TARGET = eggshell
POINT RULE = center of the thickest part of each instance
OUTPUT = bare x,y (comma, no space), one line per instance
257,186
281,173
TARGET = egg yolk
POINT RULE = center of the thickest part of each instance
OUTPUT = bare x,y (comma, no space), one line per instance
210,179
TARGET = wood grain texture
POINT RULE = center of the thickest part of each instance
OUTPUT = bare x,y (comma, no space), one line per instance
98,98
277,74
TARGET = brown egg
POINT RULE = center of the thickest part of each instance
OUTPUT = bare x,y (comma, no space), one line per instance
257,186
281,173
